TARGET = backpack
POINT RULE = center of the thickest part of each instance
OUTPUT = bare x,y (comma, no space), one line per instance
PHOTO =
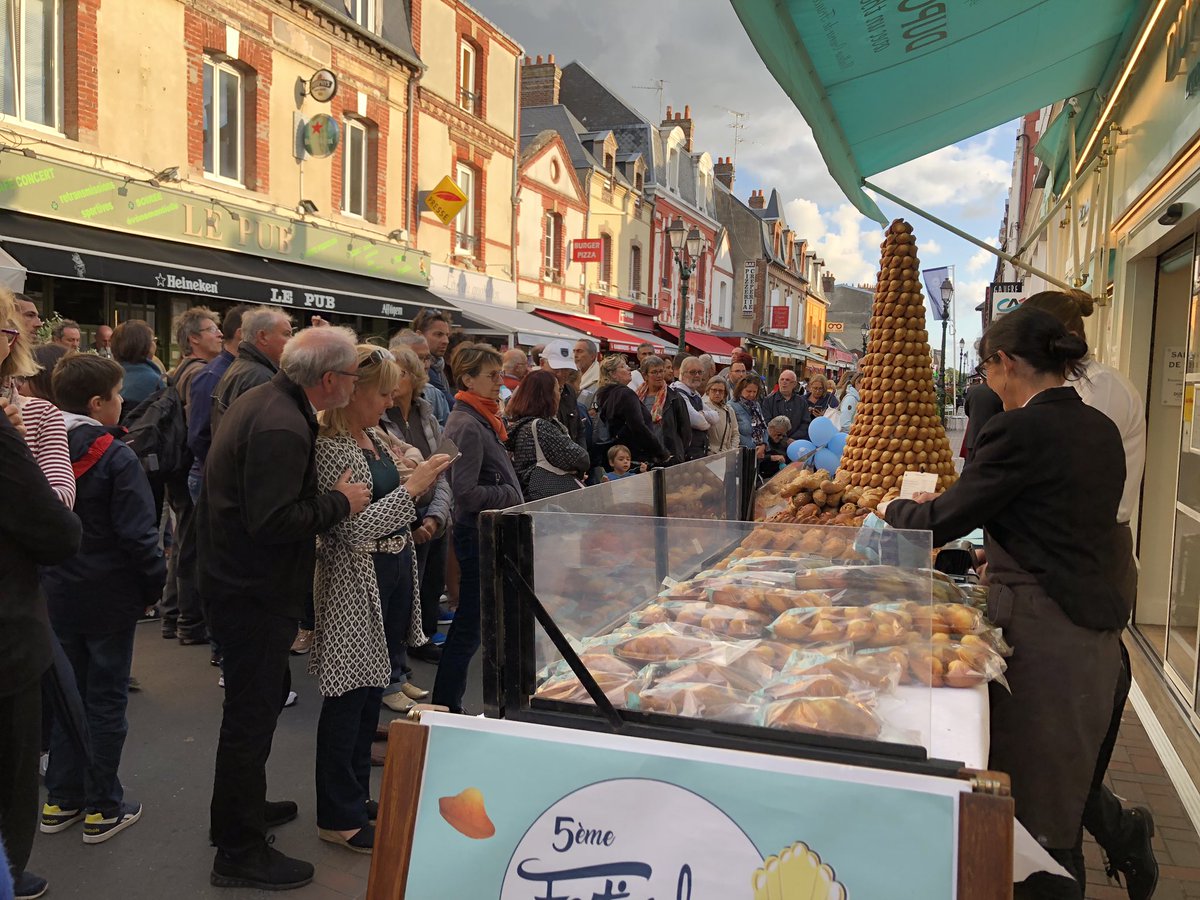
157,432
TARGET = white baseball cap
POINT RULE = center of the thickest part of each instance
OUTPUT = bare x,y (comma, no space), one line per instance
559,355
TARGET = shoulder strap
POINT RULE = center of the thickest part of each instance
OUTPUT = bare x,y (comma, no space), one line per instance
542,462
84,464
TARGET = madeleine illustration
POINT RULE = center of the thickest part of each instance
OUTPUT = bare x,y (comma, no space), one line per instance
465,813
797,873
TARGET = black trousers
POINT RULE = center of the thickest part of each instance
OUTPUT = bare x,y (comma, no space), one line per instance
181,605
20,747
255,644
1102,813
344,734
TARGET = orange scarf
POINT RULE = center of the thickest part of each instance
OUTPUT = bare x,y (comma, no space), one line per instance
489,409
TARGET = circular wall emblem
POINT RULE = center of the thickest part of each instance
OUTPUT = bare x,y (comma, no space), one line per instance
323,86
321,135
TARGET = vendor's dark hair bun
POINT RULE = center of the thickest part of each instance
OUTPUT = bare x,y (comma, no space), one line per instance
1038,338
1070,308
1068,348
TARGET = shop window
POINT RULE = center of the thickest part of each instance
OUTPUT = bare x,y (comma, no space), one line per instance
224,121
32,60
635,272
362,12
355,169
469,94
606,261
464,223
552,246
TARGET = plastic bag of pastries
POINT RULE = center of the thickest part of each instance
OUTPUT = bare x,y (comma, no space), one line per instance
695,700
863,672
824,624
665,642
698,671
814,684
827,715
968,661
569,689
727,620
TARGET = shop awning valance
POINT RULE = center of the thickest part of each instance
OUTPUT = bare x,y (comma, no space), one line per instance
884,83
516,324
719,348
617,340
47,247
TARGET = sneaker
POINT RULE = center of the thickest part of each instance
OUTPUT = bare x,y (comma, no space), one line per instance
56,819
97,828
191,640
134,684
438,639
264,868
303,642
43,764
1136,861
169,632
279,812
150,614
215,660
445,614
221,682
28,886
292,697
372,810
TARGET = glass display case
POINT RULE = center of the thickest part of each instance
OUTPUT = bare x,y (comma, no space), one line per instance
815,641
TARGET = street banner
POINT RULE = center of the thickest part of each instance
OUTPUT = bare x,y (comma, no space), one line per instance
530,812
933,288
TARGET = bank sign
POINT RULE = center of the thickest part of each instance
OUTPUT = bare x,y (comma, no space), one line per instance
57,190
516,811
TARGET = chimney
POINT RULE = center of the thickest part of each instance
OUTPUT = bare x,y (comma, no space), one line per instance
827,284
681,120
723,171
757,200
540,82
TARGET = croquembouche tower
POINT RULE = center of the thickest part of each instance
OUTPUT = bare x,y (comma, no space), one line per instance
896,427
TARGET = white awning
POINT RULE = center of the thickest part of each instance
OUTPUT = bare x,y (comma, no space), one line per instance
520,326
12,273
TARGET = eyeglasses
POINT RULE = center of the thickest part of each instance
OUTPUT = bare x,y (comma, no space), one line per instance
211,329
11,333
981,369
494,376
377,358
353,375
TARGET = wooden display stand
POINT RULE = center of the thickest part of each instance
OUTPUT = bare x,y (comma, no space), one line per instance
985,824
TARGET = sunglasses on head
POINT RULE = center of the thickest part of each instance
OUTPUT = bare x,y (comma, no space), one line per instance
377,358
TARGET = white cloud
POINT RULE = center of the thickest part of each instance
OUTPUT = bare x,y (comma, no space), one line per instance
931,248
982,260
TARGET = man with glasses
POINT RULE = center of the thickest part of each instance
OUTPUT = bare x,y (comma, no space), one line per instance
260,510
198,334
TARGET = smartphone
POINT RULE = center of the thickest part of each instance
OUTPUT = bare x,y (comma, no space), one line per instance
448,447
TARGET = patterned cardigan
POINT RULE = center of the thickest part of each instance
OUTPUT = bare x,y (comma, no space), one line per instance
349,646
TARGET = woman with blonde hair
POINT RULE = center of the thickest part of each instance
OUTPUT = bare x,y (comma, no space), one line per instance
45,427
725,434
362,568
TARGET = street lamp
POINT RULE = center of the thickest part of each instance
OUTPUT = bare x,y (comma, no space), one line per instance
866,331
680,237
962,363
947,292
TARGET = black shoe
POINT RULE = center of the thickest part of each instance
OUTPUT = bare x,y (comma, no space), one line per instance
189,640
169,633
279,812
264,868
426,653
372,810
28,886
1136,860
215,660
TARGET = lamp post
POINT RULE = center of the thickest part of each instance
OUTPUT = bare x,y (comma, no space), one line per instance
947,291
693,241
866,331
962,364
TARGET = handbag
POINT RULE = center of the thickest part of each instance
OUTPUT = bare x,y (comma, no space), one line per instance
834,414
546,479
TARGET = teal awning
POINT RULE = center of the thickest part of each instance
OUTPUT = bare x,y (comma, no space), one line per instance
881,83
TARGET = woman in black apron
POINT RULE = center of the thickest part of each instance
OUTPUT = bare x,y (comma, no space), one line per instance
1045,485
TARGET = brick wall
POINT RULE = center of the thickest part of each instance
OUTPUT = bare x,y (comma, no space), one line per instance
378,123
540,82
81,50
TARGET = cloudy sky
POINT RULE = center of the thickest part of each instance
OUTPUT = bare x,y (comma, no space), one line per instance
699,49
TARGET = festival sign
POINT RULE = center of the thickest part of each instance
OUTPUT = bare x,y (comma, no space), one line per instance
529,812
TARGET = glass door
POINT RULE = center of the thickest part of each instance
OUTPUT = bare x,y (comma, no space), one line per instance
1185,557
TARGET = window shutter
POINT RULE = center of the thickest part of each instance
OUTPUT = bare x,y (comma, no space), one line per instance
33,47
10,19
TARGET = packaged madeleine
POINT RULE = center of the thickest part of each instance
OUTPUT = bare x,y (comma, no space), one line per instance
666,642
823,715
696,700
698,671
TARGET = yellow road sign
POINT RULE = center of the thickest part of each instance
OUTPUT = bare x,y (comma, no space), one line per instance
446,200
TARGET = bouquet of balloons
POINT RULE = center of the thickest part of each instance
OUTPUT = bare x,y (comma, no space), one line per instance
824,445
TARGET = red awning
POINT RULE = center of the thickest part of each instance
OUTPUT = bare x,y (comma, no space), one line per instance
719,348
618,340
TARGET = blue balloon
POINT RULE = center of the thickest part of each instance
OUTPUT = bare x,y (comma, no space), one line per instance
827,460
821,430
838,442
797,449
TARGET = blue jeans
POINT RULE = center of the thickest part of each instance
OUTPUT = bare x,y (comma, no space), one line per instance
394,575
463,638
195,482
101,663
344,735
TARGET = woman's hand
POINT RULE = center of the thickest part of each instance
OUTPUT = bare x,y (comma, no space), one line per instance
13,412
429,527
760,451
424,475
923,497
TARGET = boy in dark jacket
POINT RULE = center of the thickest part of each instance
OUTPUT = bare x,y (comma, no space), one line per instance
96,597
